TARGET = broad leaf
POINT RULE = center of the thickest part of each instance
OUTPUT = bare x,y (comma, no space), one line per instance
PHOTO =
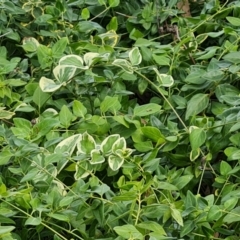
197,104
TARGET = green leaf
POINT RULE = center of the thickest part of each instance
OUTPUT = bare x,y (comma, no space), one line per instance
135,56
233,216
182,181
60,217
33,221
124,64
86,144
146,110
214,213
196,77
68,145
161,60
66,201
232,57
48,85
59,47
153,133
110,104
65,116
106,145
234,21
72,61
6,229
5,156
113,3
152,226
197,104
177,216
5,114
197,137
167,186
115,162
128,232
96,157
225,168
79,109
187,228
85,14
40,97
30,44
64,73
164,80
119,144
44,56
113,24
194,154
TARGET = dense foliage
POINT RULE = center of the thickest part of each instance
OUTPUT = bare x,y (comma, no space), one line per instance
119,120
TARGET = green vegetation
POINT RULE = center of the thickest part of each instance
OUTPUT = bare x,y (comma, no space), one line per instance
119,120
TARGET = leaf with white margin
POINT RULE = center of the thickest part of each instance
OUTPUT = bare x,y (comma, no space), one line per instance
165,80
124,153
82,170
96,157
48,85
119,144
64,73
124,64
135,56
72,61
86,144
91,57
115,162
68,145
106,145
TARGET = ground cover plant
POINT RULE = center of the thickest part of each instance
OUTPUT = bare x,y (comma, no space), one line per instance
119,119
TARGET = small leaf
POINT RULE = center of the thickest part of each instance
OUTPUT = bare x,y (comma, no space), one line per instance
124,64
233,216
113,3
86,144
40,97
85,14
59,47
225,168
153,133
6,229
128,232
65,116
197,104
147,109
110,103
115,162
152,226
66,201
177,216
197,137
79,109
96,157
64,73
135,56
234,21
33,221
48,85
164,80
214,213
72,61
113,24
106,146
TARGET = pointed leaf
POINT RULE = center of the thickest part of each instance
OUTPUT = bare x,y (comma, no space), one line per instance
135,56
197,104
48,85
